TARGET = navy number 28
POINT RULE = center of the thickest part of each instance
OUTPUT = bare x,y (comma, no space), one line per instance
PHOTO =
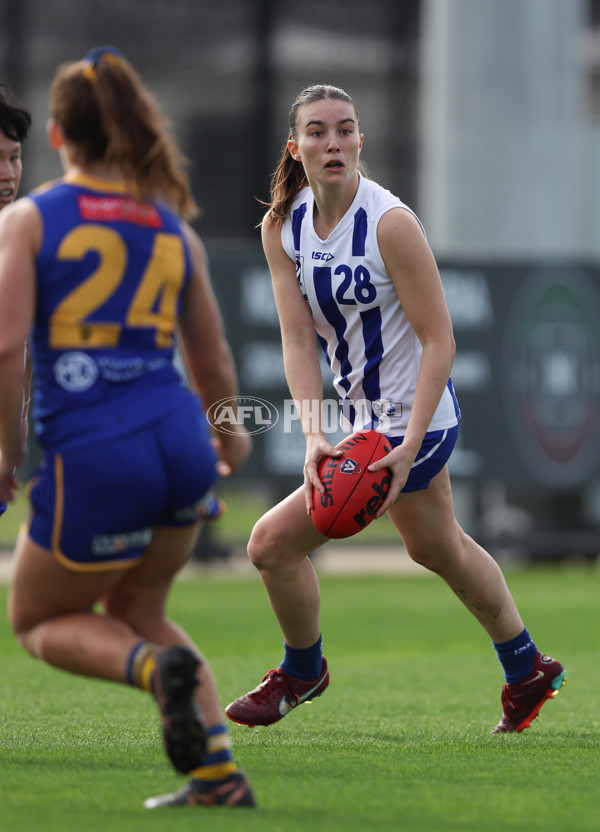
357,283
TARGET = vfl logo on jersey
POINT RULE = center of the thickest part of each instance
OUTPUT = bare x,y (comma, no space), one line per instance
75,371
300,276
300,270
326,256
349,466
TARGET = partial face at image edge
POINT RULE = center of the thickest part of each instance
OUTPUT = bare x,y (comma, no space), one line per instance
11,169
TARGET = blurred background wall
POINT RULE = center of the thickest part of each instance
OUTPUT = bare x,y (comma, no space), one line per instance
483,115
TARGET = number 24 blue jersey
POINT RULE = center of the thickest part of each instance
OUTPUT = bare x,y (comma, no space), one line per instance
111,270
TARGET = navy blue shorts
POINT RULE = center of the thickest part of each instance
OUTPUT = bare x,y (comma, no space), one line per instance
95,507
3,508
433,454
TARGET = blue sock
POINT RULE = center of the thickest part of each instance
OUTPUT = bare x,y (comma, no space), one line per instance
305,663
517,656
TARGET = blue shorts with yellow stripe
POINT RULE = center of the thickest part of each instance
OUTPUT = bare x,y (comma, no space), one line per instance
95,507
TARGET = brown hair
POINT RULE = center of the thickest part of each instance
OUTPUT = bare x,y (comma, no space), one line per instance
289,177
107,115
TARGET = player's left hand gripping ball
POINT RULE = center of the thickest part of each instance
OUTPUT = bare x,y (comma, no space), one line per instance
353,494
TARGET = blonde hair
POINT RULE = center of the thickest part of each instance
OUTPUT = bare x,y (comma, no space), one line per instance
289,177
107,115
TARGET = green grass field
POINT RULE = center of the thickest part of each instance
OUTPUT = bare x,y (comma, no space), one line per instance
400,741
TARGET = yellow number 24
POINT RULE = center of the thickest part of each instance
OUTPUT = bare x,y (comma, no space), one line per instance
155,301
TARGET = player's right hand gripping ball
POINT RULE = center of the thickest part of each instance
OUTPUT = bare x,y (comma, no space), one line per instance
353,494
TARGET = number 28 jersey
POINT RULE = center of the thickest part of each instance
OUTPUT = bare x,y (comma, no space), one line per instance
365,335
110,273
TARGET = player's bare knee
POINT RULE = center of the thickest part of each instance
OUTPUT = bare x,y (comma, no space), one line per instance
422,558
30,639
262,546
432,559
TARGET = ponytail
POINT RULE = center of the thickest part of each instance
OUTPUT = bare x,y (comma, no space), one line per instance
107,115
288,179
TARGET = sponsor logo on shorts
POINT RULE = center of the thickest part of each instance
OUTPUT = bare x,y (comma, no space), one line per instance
116,544
189,514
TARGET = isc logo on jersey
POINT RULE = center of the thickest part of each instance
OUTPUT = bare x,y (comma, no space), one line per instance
326,256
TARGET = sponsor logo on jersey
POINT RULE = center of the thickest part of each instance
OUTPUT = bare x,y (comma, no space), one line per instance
106,208
326,256
75,371
127,369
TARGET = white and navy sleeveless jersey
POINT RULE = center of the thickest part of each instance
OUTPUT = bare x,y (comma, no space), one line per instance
367,339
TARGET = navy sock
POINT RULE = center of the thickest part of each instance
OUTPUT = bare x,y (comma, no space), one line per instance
305,663
517,656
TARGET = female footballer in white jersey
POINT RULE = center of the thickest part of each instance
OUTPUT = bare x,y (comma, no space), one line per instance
351,261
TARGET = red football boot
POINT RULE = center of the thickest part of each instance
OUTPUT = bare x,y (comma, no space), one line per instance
522,701
276,696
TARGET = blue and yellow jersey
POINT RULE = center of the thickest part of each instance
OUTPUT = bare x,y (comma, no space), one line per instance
111,270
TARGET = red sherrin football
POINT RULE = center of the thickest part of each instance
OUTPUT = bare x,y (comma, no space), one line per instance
353,494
